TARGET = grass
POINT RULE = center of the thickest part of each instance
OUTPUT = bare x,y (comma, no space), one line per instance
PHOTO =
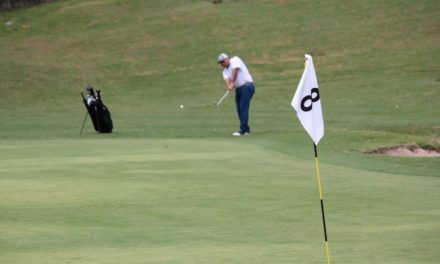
196,201
170,185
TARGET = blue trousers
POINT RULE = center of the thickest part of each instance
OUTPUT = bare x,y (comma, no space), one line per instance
243,96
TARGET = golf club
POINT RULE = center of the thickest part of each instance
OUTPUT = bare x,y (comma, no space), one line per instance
217,103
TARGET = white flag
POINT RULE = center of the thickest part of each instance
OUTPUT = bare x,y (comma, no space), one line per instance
307,103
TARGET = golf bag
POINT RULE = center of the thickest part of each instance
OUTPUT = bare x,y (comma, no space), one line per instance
99,113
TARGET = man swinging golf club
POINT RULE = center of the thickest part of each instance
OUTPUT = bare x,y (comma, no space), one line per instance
238,78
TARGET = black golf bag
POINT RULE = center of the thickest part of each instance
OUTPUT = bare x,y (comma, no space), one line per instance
99,113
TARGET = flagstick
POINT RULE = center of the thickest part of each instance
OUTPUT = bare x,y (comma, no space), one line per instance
322,203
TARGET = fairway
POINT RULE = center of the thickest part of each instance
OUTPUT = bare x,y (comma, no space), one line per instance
170,184
196,201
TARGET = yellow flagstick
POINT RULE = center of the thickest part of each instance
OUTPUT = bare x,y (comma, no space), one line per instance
321,197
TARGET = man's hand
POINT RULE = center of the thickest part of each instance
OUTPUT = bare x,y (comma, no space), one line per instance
229,84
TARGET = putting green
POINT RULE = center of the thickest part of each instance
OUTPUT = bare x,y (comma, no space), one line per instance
202,201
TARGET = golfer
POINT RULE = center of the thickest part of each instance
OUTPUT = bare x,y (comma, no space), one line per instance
238,78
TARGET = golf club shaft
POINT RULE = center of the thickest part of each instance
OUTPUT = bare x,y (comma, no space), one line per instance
223,98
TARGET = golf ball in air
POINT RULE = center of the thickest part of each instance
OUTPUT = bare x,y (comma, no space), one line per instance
181,106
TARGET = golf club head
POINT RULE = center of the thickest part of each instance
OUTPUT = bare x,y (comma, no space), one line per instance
89,90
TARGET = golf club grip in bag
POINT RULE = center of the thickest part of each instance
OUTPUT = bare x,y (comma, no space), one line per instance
99,113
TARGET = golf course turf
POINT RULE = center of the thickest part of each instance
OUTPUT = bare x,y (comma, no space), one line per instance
170,184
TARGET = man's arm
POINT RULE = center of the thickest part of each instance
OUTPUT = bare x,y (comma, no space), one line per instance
230,82
234,74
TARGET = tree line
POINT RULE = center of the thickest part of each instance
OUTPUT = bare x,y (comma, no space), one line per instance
11,4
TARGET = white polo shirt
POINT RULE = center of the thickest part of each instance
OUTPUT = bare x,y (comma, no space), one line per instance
243,75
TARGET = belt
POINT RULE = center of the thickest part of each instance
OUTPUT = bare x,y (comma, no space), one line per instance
245,84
